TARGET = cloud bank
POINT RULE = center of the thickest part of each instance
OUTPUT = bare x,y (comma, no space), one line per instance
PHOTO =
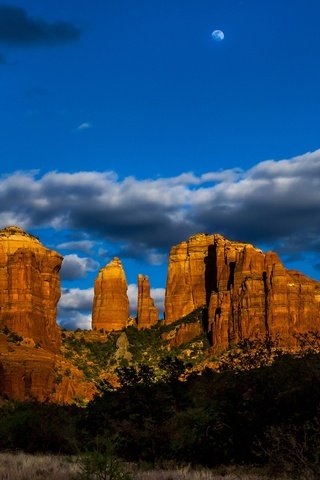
74,267
275,203
17,28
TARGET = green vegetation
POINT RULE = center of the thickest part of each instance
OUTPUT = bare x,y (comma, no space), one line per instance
97,352
267,416
92,353
259,405
100,463
11,336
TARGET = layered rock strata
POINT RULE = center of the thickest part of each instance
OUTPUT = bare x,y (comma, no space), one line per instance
190,276
110,303
248,293
29,287
257,297
147,312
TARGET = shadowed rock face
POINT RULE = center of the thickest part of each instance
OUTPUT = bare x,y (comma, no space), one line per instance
28,373
147,312
29,287
249,293
111,303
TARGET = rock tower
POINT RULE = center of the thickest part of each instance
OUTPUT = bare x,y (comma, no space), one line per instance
111,303
29,287
147,312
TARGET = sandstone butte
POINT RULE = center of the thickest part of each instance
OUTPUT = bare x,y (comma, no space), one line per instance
110,304
29,292
248,293
147,312
29,288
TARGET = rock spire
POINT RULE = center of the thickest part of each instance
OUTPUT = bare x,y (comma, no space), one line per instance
147,312
110,304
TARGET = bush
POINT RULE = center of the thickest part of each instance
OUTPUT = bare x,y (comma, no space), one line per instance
294,450
100,463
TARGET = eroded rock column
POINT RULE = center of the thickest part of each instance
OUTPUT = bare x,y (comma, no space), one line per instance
147,312
110,303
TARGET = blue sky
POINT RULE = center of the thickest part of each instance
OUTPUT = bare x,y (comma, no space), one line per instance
125,128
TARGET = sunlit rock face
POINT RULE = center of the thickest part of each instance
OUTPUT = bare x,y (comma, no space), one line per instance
110,303
249,294
189,265
29,288
147,312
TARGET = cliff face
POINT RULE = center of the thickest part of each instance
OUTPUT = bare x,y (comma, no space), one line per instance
147,312
189,276
29,287
258,297
248,293
27,372
111,303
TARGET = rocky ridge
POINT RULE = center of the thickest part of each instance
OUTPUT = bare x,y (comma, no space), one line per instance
248,293
218,293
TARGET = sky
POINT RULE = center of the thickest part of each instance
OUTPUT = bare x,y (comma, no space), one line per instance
125,128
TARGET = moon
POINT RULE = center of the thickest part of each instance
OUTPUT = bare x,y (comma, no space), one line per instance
217,35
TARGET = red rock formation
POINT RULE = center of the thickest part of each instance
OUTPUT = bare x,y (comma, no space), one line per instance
110,304
147,312
188,272
249,293
183,333
27,372
29,287
257,296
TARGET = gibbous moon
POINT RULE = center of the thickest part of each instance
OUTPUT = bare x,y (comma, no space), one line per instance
217,35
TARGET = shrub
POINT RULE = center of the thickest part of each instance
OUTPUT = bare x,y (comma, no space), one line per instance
100,463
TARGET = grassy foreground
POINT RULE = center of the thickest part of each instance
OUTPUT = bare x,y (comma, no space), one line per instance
22,466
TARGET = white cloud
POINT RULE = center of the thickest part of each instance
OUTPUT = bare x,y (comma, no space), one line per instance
84,126
76,299
76,320
133,297
74,267
158,295
75,307
275,201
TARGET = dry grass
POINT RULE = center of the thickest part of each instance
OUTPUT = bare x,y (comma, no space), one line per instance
21,466
220,473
